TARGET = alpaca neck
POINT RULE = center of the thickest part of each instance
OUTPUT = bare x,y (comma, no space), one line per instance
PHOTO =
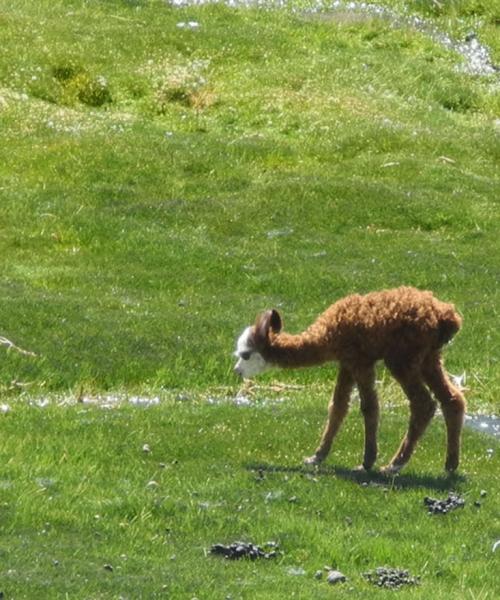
302,350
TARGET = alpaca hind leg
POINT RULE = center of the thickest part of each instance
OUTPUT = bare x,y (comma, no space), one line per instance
337,411
369,406
422,408
452,404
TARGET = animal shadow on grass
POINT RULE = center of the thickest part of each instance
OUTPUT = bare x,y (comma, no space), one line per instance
443,482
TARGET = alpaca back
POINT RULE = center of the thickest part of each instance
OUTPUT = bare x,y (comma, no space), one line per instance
405,320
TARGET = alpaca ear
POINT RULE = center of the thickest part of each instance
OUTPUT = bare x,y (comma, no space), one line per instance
266,322
275,321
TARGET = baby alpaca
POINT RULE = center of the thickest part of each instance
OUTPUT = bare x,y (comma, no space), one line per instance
404,327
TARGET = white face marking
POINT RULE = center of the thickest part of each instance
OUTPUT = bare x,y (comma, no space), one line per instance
250,362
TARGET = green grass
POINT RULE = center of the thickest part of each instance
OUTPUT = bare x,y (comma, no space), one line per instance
80,493
139,236
158,187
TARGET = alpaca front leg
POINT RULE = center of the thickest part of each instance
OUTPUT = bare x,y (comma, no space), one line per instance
337,411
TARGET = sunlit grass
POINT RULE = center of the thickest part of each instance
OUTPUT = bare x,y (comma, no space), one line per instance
146,492
160,185
223,177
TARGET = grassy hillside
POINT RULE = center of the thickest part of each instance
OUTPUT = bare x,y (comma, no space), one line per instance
161,183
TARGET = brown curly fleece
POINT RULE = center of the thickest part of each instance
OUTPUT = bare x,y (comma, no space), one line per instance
404,327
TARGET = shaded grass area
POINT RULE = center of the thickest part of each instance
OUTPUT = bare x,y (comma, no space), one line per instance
87,512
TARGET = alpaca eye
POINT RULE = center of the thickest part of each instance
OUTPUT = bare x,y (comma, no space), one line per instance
245,355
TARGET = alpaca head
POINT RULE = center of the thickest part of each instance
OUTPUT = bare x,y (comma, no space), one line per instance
253,342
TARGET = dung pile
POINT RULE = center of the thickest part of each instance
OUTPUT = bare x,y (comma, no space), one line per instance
441,507
245,550
388,577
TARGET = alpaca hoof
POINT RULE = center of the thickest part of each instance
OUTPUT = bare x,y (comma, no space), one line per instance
313,460
451,465
360,469
390,470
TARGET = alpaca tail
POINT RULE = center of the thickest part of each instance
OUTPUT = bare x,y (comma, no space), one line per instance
449,324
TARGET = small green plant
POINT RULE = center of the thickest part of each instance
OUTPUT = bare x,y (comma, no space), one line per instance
92,91
180,83
69,84
452,93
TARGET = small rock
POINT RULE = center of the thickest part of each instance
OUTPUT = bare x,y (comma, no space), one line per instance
483,493
318,574
146,448
334,577
108,568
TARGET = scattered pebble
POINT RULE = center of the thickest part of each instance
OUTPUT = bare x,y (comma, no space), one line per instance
389,577
108,568
146,448
335,577
144,401
476,57
442,507
238,550
489,424
274,233
188,25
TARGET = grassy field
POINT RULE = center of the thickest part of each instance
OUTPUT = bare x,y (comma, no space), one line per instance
165,174
81,496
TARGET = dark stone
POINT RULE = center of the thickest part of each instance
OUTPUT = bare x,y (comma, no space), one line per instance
334,577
